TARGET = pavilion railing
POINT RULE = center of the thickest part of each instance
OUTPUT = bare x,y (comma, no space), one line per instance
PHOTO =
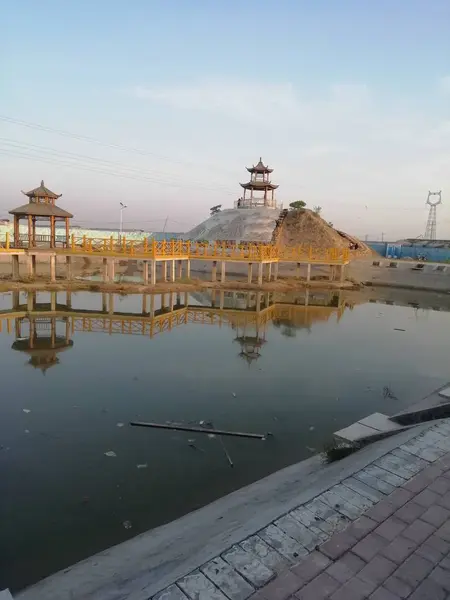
151,249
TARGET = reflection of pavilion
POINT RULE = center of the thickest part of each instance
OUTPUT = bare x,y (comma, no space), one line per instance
37,335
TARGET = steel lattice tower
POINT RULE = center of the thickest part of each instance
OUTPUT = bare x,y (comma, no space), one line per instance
430,231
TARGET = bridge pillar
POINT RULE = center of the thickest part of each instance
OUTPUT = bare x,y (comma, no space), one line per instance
222,272
15,300
258,301
112,269
104,304
221,299
275,271
250,273
188,268
152,305
15,266
145,272
144,304
30,301
53,300
172,270
260,273
297,273
308,272
214,271
69,299
269,271
180,269
164,264
342,274
111,303
171,301
153,273
68,267
53,267
332,272
31,265
105,270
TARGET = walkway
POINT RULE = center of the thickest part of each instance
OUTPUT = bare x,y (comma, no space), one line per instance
390,538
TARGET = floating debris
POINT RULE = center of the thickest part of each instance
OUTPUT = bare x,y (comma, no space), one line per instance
234,394
312,428
310,449
143,466
120,424
127,524
387,393
398,329
26,410
209,430
27,431
111,453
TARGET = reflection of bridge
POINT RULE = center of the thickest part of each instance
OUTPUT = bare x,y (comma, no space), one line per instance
43,329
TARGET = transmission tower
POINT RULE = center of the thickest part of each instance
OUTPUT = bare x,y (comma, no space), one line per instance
430,231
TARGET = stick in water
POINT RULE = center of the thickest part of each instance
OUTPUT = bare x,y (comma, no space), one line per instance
180,427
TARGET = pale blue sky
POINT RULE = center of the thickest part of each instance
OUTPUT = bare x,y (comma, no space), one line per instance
349,102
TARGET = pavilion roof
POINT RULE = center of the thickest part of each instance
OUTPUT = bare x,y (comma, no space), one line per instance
259,185
260,167
42,192
40,209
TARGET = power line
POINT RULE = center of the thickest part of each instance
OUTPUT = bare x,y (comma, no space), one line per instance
98,142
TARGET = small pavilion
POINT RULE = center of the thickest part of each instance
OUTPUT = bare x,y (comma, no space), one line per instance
259,191
40,207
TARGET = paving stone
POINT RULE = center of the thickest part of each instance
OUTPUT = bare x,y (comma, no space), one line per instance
346,567
381,511
377,570
395,465
311,566
265,553
445,563
442,577
282,543
409,512
361,527
444,501
390,528
439,544
399,549
436,515
173,592
227,579
299,532
369,546
441,485
374,482
385,475
282,587
354,498
198,587
427,498
329,519
364,490
355,589
444,532
414,463
418,531
414,570
398,587
248,565
319,588
309,519
431,552
400,497
340,505
419,483
338,545
423,450
428,590
383,593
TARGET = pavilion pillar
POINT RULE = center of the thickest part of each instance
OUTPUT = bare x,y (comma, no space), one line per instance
171,301
258,301
104,270
307,297
152,305
144,304
111,303
342,274
180,269
69,299
269,271
153,272
112,269
275,271
260,273
15,266
68,268
30,301
67,232
30,231
185,299
16,231
297,273
53,267
250,273
188,268
53,301
31,265
221,299
164,264
214,271
332,272
52,232
222,272
145,272
308,272
172,270
104,303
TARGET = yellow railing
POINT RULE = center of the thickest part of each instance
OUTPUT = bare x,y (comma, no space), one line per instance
152,249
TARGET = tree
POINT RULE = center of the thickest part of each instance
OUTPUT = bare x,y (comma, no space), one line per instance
297,205
317,210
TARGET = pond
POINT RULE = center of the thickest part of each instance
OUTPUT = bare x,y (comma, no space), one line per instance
78,367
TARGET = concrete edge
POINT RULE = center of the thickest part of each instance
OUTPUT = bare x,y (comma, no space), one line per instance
148,563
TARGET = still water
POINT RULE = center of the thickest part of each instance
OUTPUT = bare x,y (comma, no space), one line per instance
76,368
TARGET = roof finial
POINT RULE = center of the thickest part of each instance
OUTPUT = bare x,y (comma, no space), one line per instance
42,182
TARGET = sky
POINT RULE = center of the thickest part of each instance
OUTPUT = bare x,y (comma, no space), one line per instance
161,104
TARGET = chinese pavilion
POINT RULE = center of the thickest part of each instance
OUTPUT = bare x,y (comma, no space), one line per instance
41,207
259,191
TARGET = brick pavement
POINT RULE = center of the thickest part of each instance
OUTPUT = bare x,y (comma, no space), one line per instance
400,548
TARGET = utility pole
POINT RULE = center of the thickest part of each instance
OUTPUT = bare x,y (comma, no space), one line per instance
122,208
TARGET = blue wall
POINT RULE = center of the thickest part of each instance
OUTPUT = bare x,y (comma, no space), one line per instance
398,251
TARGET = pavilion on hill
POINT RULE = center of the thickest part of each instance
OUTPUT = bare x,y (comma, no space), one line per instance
40,208
259,191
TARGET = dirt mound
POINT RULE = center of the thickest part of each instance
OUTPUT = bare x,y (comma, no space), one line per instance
306,228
